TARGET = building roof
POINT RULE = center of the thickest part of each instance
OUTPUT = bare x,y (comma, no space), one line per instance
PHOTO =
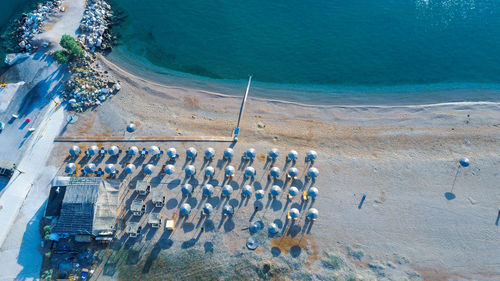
54,203
141,185
132,227
136,205
158,196
90,206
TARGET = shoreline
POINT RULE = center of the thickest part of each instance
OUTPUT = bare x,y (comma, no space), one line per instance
125,71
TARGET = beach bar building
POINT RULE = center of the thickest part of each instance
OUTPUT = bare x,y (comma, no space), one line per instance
88,210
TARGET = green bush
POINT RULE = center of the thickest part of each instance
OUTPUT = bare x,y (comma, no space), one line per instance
61,57
72,47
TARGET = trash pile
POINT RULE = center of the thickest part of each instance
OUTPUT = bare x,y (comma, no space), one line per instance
32,23
88,86
94,25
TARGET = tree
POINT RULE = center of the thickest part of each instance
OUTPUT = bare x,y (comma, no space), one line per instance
72,50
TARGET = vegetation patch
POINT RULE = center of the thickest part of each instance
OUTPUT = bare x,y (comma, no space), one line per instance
331,261
72,50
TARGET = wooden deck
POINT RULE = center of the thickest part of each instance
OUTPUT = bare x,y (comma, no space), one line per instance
146,139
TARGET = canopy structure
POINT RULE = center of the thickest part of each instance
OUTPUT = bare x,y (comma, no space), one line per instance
131,128
228,210
70,168
209,171
294,213
75,150
208,190
312,214
149,169
273,228
172,153
275,190
93,150
113,150
273,153
227,190
313,172
209,153
190,170
311,155
207,209
275,172
90,168
110,169
187,189
251,153
228,153
464,162
293,172
154,150
313,192
249,172
259,194
293,191
246,190
229,171
130,169
169,169
185,209
133,150
293,155
191,153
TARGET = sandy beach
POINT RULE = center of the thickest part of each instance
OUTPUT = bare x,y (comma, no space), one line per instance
405,158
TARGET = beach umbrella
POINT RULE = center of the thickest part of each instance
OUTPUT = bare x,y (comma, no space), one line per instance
207,209
109,168
312,214
275,190
208,190
131,128
464,162
294,213
313,192
185,209
311,155
113,150
273,228
249,172
227,190
149,169
133,150
90,168
70,168
247,190
255,226
74,150
169,169
209,171
154,150
172,153
252,243
191,153
93,150
187,189
259,194
274,153
313,172
190,170
275,172
130,169
229,171
293,172
293,191
228,153
228,210
209,153
251,153
293,155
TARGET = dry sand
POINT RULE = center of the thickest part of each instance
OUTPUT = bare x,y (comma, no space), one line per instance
405,158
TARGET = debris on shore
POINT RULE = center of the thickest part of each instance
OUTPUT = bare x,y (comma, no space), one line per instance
94,26
32,23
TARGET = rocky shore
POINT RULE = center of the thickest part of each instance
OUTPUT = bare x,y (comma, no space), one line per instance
94,27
